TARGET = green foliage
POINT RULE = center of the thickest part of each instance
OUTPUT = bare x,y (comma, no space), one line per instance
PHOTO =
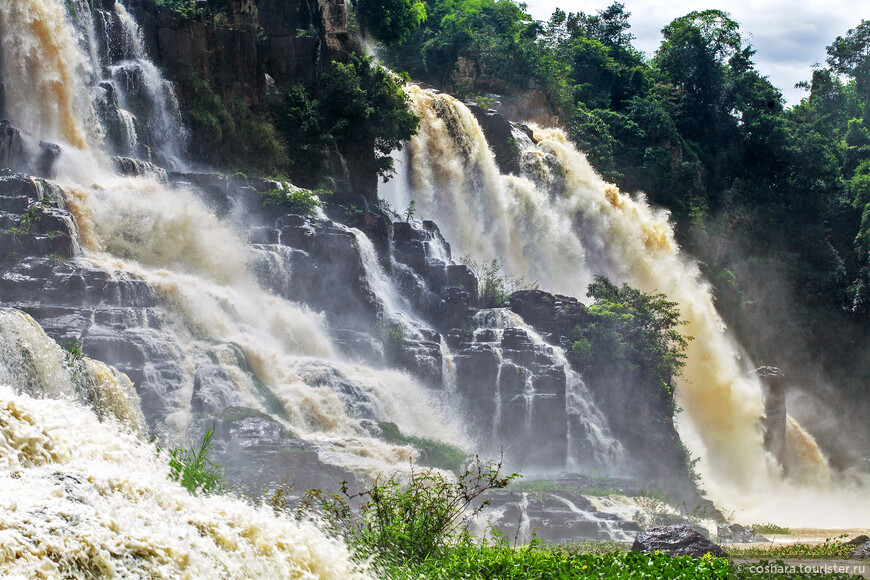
769,529
359,106
505,562
73,352
391,21
830,549
298,121
194,470
417,521
495,287
361,101
433,453
231,135
634,330
293,199
186,8
412,209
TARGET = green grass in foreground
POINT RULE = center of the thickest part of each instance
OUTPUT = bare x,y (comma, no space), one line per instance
830,549
538,563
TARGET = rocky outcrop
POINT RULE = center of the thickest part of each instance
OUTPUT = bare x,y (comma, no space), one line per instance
862,552
737,534
553,518
445,292
554,316
10,146
676,541
775,414
236,47
258,454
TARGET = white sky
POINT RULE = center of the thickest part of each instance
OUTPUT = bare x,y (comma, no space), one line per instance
789,36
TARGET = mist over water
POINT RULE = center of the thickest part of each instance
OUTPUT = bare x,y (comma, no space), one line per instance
559,224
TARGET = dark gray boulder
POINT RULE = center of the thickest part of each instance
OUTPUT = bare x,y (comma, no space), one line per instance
862,552
676,541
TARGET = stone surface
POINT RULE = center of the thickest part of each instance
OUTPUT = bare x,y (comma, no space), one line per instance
258,454
10,147
676,541
862,552
737,534
553,517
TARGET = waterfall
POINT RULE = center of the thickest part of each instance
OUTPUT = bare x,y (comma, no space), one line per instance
84,498
41,63
559,224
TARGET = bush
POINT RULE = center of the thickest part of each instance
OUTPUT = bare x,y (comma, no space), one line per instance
231,135
416,521
293,199
494,288
194,470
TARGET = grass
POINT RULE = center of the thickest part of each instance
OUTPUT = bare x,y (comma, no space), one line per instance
194,470
830,549
532,562
769,529
433,453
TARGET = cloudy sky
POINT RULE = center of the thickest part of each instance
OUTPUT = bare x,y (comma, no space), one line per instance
788,35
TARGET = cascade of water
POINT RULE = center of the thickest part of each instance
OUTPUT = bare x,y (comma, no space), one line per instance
85,498
45,95
559,224
38,367
270,354
586,421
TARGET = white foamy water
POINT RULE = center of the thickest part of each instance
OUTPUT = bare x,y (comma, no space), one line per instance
84,498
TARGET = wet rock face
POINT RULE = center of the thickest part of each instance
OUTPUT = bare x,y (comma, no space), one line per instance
33,220
676,541
552,315
445,292
500,135
10,144
514,393
258,454
554,517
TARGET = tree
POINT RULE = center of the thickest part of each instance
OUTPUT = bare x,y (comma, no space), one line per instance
363,103
391,21
637,331
850,55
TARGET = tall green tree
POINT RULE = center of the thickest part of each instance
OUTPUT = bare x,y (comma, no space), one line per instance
391,21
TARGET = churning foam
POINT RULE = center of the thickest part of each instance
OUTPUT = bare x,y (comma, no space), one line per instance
80,497
560,224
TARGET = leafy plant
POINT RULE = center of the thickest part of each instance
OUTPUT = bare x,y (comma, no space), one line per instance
632,329
194,470
412,208
293,199
417,520
391,21
494,287
73,351
769,529
831,548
